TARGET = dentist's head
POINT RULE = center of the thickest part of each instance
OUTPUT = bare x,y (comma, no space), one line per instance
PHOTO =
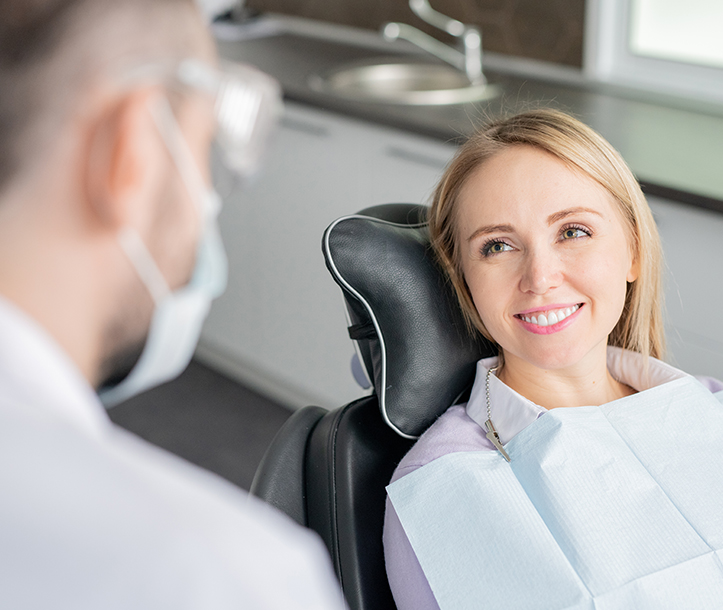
109,257
108,233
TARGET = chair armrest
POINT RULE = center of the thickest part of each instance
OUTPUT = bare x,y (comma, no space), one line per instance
280,478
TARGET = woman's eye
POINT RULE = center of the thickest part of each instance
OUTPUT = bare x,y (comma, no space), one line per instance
574,232
495,247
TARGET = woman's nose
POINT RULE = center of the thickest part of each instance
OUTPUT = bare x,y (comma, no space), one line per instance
541,272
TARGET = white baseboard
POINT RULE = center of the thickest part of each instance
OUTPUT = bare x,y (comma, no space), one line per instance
253,377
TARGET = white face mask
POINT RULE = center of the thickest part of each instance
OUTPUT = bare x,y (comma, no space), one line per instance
247,105
179,314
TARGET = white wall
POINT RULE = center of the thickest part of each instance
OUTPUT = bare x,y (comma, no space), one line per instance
693,247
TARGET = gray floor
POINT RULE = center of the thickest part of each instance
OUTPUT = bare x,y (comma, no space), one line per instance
207,419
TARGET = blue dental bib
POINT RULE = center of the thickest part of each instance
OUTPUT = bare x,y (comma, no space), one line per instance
612,507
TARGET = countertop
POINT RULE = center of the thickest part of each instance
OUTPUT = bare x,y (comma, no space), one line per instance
675,147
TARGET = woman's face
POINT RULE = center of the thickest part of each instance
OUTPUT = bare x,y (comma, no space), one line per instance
546,258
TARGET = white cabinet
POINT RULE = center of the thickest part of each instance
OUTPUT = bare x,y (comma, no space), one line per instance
280,327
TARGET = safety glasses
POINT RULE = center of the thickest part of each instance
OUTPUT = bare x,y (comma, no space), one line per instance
247,105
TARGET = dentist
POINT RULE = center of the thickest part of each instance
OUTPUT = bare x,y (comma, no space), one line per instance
109,259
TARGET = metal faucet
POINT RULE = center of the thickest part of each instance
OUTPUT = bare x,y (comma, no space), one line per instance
470,61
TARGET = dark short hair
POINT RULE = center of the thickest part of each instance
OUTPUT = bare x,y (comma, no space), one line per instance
41,66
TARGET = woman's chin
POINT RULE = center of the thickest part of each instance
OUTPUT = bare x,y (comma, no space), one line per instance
550,359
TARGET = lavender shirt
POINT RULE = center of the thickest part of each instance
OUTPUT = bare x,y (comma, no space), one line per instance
460,429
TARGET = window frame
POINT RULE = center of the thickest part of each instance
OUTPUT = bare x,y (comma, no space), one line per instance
607,58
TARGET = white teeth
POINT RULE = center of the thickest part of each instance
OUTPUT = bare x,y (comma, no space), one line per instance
552,317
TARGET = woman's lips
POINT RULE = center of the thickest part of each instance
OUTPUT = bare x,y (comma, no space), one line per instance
551,320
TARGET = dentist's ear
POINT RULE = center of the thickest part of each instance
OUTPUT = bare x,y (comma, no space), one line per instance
125,162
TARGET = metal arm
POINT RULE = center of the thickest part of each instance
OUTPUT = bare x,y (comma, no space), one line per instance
470,61
423,10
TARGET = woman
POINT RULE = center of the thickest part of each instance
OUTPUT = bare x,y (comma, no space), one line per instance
517,500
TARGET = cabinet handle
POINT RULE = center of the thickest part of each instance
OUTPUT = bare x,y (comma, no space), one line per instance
320,131
414,157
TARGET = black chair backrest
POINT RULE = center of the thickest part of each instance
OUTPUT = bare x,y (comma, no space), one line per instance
405,316
329,470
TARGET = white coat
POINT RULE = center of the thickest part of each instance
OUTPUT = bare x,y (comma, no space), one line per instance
93,517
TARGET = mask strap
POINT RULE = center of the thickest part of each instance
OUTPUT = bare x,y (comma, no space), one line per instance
144,264
178,148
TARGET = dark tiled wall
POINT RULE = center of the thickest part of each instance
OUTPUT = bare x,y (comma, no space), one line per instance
549,30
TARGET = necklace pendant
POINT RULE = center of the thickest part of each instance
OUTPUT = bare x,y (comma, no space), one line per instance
492,435
494,438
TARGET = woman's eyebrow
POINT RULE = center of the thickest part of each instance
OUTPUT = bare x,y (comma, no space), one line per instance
557,216
551,219
491,229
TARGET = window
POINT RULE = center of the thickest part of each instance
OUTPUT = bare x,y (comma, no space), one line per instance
661,45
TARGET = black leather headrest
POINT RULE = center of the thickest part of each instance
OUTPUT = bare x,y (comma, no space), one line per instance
404,314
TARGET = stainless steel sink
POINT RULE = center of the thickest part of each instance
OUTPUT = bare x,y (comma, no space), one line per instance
414,84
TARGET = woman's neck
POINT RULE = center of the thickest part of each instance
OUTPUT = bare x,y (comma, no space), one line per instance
585,384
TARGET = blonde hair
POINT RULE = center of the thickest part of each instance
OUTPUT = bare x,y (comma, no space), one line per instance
640,327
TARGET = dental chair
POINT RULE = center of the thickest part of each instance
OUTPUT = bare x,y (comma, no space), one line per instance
328,470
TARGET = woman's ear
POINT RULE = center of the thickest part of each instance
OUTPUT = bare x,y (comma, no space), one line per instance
634,270
123,159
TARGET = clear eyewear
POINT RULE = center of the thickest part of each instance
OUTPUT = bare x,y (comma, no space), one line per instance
247,106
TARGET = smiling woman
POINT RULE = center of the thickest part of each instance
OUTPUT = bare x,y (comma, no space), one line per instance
585,159
554,485
548,277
